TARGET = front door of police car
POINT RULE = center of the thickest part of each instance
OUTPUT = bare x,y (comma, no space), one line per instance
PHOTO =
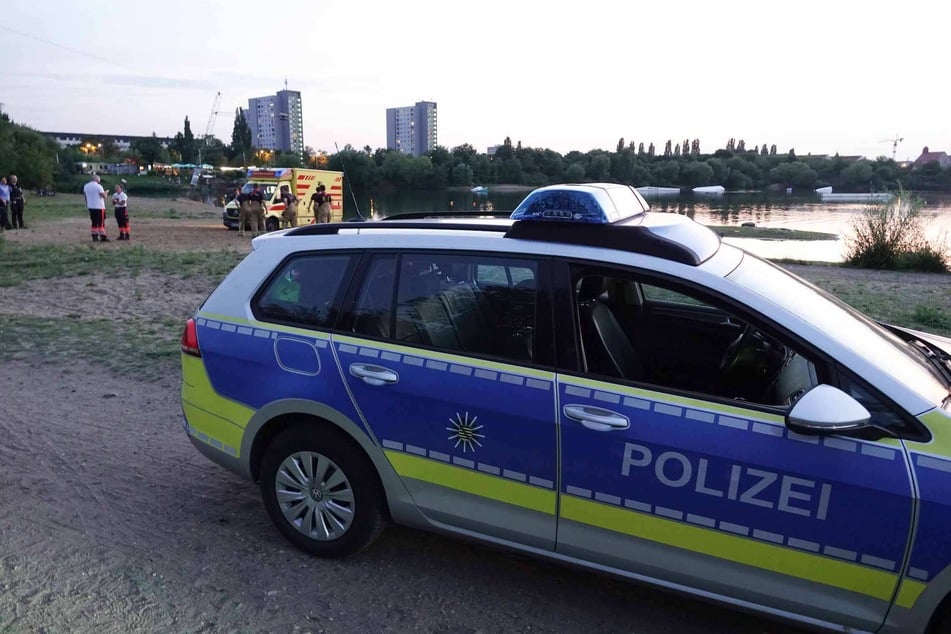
678,466
440,364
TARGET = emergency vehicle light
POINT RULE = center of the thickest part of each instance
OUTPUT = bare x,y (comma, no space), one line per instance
597,203
279,172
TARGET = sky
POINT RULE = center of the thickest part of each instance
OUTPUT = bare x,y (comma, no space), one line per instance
837,76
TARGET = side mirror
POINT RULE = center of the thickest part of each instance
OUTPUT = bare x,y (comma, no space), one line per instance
827,410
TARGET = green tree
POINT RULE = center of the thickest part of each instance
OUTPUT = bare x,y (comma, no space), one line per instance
575,173
150,150
696,173
26,153
858,176
795,174
184,144
241,141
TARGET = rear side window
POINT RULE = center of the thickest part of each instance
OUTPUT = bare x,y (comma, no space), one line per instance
479,304
304,290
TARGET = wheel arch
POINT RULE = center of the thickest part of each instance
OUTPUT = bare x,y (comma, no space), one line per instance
269,421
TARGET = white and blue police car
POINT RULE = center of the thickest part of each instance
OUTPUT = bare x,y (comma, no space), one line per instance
592,382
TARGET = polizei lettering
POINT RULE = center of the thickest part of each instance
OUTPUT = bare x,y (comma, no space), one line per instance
747,485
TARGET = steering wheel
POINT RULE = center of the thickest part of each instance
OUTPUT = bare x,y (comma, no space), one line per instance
734,351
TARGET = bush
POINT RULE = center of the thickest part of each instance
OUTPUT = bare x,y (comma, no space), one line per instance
890,235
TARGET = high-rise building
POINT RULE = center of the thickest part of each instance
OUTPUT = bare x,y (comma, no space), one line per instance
277,122
412,129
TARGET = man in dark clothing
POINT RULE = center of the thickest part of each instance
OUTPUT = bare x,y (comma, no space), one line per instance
258,209
16,204
320,204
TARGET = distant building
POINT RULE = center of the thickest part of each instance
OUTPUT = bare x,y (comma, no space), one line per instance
123,142
412,129
492,149
941,158
277,122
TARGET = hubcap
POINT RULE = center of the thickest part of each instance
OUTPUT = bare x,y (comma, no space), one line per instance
314,495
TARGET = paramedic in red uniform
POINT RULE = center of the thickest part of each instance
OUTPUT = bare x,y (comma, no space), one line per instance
120,200
96,204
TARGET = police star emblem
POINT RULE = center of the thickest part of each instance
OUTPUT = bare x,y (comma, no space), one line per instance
465,432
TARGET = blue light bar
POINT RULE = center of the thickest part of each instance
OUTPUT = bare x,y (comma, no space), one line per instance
597,203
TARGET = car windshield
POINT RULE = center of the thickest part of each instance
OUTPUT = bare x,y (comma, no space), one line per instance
842,322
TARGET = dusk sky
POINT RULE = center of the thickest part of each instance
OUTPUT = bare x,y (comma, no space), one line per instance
826,77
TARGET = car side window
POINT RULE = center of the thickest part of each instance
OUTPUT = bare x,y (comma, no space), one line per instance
478,304
303,290
660,333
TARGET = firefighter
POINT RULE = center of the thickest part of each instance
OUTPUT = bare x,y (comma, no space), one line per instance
258,209
289,216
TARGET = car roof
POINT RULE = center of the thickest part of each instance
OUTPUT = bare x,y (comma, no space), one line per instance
664,235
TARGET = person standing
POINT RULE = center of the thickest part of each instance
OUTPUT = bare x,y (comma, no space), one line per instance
96,204
244,209
16,204
258,208
320,204
4,204
289,216
120,201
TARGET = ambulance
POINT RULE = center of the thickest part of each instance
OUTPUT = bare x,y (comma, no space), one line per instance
302,182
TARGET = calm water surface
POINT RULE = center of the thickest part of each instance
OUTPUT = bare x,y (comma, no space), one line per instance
806,213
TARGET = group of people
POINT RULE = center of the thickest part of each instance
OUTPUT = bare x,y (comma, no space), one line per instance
11,204
252,208
96,204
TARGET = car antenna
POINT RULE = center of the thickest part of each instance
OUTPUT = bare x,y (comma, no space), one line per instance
347,179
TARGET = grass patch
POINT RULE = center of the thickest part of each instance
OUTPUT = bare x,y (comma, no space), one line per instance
139,349
933,318
22,263
921,307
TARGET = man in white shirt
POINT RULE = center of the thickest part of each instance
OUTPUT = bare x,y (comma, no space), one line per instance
120,200
96,204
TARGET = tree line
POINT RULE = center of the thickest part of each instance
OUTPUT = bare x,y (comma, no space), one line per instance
38,161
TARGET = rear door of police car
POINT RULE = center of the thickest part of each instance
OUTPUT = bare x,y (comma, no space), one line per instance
450,365
668,473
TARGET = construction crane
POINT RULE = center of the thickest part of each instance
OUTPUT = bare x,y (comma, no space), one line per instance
212,117
895,141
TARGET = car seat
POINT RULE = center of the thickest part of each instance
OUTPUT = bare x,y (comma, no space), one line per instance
605,346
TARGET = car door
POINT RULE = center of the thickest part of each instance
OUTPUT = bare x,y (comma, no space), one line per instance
445,359
697,482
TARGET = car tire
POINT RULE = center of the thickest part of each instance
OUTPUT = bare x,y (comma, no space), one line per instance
322,491
272,224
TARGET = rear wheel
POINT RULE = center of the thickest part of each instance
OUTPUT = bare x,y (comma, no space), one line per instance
321,492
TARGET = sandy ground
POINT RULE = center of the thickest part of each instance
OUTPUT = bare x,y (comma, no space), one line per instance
111,522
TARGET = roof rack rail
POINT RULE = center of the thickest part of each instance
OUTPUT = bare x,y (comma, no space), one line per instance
420,215
633,238
330,228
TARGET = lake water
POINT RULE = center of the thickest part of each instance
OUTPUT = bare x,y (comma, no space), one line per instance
806,213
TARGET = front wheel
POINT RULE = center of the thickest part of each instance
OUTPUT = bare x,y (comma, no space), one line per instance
272,224
321,492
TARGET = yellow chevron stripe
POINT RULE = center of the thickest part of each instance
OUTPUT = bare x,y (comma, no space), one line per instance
833,572
475,482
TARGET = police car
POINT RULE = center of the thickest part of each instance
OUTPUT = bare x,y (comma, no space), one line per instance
594,383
